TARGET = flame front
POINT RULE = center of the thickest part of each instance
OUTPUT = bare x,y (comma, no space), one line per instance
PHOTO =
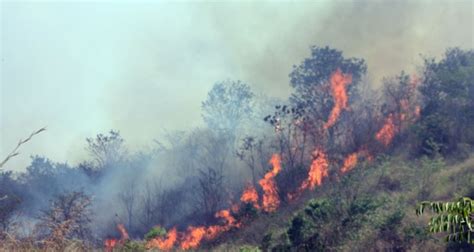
250,196
164,243
318,170
193,237
350,162
386,134
110,244
271,200
339,82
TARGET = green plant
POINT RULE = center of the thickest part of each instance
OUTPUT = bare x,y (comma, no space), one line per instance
134,246
155,232
455,218
249,248
266,241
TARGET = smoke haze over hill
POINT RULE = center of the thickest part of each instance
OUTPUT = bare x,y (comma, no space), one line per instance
84,68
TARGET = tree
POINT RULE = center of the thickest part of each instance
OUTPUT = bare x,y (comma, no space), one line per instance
11,191
310,80
211,159
68,217
448,108
128,197
228,103
106,150
455,218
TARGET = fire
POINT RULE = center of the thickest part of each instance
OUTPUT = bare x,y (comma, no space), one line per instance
123,233
250,195
417,111
164,243
193,237
350,162
386,134
271,201
318,170
110,244
230,220
339,82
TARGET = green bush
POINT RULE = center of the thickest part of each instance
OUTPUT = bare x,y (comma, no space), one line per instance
156,231
249,248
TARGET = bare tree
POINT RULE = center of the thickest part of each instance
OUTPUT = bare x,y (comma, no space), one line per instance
128,197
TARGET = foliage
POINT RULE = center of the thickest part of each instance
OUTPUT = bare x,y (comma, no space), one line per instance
156,231
456,218
106,150
68,217
310,81
132,245
249,248
227,104
11,200
448,112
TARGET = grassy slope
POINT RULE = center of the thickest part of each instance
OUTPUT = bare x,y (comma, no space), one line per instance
405,183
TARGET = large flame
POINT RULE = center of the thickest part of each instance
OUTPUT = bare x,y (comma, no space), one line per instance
386,134
164,243
250,196
110,244
339,82
318,170
271,200
350,162
193,237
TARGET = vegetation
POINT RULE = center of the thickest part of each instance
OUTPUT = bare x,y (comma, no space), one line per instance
185,178
456,218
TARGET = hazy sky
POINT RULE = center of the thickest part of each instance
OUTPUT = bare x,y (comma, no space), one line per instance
87,67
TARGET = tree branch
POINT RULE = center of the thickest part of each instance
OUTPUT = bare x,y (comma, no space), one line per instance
15,152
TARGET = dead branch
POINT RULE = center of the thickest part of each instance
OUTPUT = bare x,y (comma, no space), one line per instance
15,152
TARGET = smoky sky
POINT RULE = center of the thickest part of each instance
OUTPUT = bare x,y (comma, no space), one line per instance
81,68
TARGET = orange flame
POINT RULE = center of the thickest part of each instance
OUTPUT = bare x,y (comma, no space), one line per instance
350,162
193,237
229,219
317,171
271,201
123,233
110,244
164,243
250,195
386,134
339,82
417,111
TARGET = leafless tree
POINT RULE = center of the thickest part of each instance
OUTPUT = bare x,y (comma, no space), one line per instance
129,197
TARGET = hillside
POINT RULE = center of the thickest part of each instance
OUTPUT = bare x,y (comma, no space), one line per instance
372,207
